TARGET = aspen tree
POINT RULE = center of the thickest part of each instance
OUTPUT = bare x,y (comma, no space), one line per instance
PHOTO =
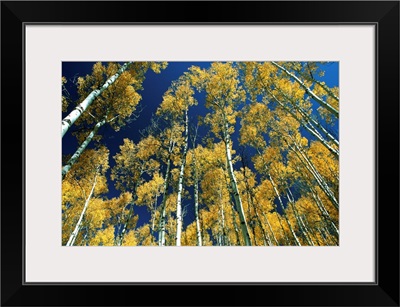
175,107
223,95
114,106
85,182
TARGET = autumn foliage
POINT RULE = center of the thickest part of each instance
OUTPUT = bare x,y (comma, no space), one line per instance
259,167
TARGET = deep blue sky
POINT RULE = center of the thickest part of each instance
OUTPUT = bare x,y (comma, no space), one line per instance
154,86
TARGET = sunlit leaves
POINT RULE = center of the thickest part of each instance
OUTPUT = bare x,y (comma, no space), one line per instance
130,239
104,237
148,192
265,156
178,98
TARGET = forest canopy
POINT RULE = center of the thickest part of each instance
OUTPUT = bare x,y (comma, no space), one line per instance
200,154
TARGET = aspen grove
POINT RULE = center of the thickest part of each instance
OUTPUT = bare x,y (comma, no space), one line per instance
230,154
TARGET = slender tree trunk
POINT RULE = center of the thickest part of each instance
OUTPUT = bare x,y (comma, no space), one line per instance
323,236
222,221
269,225
236,195
235,226
267,239
333,239
69,120
196,210
320,180
310,128
250,200
279,200
312,121
307,121
179,217
299,223
163,217
74,234
196,205
309,91
270,228
196,191
325,214
307,118
312,79
153,220
310,229
283,229
266,219
253,230
81,148
229,188
283,211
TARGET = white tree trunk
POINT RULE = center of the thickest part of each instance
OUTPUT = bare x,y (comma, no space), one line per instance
153,211
310,230
268,223
309,91
196,210
81,148
196,193
282,228
327,89
312,121
70,119
320,180
74,234
235,190
270,229
250,200
310,128
179,217
298,220
161,235
283,210
267,239
222,222
324,212
308,122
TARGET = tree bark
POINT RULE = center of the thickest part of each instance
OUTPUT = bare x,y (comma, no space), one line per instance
250,198
310,167
298,220
235,190
81,148
283,211
161,236
323,103
74,234
196,209
70,119
179,217
307,122
308,125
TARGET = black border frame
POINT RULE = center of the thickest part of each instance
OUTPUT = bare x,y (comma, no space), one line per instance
383,14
